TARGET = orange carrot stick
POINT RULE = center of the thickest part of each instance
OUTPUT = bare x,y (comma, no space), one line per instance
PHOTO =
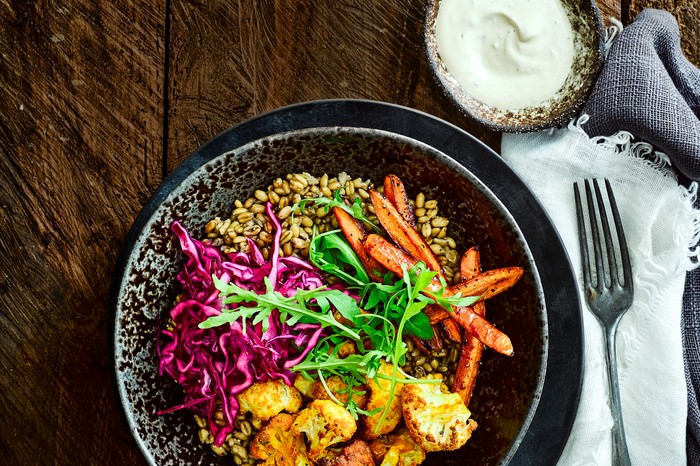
452,330
483,330
472,349
487,284
395,192
403,234
392,257
356,233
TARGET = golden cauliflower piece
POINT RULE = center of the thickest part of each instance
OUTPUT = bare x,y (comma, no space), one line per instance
304,385
379,398
355,453
397,449
437,419
265,400
325,423
277,445
339,390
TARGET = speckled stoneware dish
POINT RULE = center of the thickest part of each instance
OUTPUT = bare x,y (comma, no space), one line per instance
564,105
524,405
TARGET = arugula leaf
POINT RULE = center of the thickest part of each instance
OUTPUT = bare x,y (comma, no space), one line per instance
331,253
392,311
337,201
419,326
297,307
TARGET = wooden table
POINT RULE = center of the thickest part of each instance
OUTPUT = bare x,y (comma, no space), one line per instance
99,100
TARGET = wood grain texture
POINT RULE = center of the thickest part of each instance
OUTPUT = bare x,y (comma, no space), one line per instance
609,9
90,96
256,57
80,152
687,13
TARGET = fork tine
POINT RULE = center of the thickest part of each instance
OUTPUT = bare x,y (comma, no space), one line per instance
583,238
612,261
624,252
597,250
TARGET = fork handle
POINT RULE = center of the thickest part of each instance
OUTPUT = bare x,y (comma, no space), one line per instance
621,456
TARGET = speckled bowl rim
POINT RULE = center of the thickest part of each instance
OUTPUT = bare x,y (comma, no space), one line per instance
554,411
452,89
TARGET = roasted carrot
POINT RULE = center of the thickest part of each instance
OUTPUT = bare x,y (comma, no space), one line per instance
483,330
356,233
395,192
487,284
472,348
420,344
436,313
436,341
452,330
392,257
403,234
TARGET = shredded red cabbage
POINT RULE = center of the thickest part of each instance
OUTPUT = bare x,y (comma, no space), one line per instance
213,365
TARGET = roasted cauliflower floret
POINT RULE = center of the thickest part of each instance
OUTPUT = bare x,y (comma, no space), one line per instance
267,399
397,449
304,385
325,423
356,453
339,389
379,398
437,419
276,444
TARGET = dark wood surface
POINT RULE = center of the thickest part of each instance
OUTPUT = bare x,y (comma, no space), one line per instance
99,100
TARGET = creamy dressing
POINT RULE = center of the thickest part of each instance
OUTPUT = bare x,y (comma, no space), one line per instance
506,53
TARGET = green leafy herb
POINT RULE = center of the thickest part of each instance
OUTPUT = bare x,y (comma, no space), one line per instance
385,314
331,253
355,209
393,310
292,310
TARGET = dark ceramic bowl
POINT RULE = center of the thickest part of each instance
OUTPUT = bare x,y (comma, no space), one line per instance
560,108
524,405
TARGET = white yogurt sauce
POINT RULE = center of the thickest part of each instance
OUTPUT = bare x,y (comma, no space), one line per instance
508,54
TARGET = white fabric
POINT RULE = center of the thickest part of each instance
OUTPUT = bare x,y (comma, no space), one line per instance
662,233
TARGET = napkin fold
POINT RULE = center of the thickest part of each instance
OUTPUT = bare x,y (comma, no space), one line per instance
648,88
659,224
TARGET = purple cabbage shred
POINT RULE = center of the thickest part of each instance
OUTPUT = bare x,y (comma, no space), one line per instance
214,365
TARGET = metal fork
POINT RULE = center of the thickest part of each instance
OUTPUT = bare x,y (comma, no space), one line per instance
609,290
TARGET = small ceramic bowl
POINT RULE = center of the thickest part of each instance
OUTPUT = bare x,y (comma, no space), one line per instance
562,106
525,404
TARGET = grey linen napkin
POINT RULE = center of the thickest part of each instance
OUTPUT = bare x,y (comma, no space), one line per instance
647,87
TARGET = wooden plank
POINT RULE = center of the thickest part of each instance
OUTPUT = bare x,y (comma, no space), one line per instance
609,9
231,60
687,13
81,137
80,152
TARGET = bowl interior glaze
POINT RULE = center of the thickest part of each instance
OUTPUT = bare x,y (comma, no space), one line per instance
508,390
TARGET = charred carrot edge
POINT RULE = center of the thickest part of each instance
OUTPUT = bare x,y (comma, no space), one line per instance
436,313
395,192
483,330
487,284
472,349
436,342
392,257
403,234
356,233
420,344
452,330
